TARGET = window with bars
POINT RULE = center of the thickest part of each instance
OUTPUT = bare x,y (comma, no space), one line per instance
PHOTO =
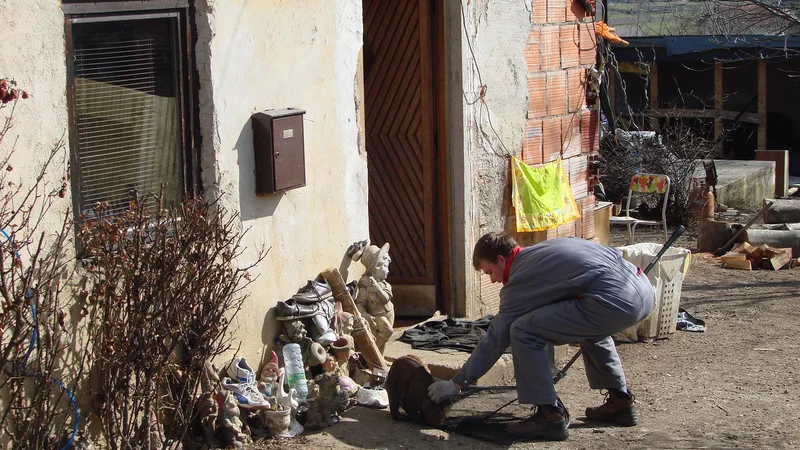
130,109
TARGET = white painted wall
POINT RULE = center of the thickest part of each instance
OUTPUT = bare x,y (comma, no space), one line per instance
256,55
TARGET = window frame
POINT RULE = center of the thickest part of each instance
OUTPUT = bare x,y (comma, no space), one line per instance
186,84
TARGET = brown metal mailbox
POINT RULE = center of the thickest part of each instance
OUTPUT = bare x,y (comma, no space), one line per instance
279,148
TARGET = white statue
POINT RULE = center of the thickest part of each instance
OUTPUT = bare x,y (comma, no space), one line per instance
374,297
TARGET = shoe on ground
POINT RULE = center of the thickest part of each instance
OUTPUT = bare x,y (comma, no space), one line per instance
548,423
617,408
372,397
246,395
316,290
240,371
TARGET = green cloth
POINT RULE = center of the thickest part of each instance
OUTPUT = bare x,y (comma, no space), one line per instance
541,196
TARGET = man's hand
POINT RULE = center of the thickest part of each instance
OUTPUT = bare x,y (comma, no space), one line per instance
441,391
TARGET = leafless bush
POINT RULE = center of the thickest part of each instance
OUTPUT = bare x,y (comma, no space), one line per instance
164,288
674,151
39,359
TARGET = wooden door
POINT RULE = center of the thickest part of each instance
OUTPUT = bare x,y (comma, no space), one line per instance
399,112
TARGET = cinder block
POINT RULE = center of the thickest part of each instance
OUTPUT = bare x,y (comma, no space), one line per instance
532,140
587,217
589,131
556,11
551,145
532,56
588,43
556,93
571,135
550,48
576,89
537,95
579,176
570,46
575,10
539,12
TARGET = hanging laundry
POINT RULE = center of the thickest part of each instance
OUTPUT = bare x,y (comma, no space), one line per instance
541,196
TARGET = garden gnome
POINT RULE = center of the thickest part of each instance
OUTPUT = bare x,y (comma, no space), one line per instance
374,297
268,381
233,429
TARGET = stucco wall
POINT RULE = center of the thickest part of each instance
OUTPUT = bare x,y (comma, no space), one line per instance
251,55
32,53
532,57
256,55
493,53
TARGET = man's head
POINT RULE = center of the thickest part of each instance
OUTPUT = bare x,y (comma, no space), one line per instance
491,254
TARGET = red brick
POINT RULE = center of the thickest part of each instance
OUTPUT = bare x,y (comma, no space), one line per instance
539,13
576,89
571,135
537,95
578,176
588,43
532,140
552,233
532,56
549,50
570,51
556,11
589,131
575,10
566,230
587,217
551,133
556,93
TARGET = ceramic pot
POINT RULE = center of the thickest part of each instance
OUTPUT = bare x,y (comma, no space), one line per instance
277,422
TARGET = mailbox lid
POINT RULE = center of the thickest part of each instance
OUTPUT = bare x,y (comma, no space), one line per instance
289,155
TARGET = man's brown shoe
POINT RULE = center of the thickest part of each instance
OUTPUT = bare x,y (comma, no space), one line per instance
548,423
617,408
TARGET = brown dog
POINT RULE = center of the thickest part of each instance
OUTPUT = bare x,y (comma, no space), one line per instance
407,386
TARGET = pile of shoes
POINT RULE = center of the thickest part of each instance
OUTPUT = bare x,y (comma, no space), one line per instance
241,382
314,301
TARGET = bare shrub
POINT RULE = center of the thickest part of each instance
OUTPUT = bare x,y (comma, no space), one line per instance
163,289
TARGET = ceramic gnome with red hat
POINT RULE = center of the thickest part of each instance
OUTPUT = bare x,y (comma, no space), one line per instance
374,296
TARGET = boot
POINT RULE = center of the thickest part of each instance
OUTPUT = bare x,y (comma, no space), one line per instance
548,423
617,408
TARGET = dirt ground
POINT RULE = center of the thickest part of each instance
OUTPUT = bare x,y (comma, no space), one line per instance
734,386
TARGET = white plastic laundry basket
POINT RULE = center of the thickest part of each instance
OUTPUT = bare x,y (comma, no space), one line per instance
667,279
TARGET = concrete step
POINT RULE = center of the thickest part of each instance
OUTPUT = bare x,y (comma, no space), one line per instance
444,363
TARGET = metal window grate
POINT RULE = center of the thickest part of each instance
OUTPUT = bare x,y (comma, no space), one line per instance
126,111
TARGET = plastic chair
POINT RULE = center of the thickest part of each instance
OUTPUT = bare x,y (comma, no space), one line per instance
645,183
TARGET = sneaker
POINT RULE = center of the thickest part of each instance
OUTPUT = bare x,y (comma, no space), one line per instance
372,397
246,395
548,423
315,291
617,408
240,371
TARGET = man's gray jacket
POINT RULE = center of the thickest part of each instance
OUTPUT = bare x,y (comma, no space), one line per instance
554,271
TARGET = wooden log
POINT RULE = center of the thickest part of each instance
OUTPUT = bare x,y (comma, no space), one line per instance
712,235
740,264
361,332
783,211
776,239
777,258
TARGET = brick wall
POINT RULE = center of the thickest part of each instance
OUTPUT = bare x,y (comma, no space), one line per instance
559,52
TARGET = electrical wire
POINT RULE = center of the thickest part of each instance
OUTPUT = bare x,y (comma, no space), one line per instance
32,345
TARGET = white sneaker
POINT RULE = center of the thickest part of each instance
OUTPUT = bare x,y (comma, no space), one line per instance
240,371
246,395
373,397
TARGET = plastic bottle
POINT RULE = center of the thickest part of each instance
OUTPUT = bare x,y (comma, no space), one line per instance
295,371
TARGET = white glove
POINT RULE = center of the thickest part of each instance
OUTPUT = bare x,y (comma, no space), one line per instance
441,391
